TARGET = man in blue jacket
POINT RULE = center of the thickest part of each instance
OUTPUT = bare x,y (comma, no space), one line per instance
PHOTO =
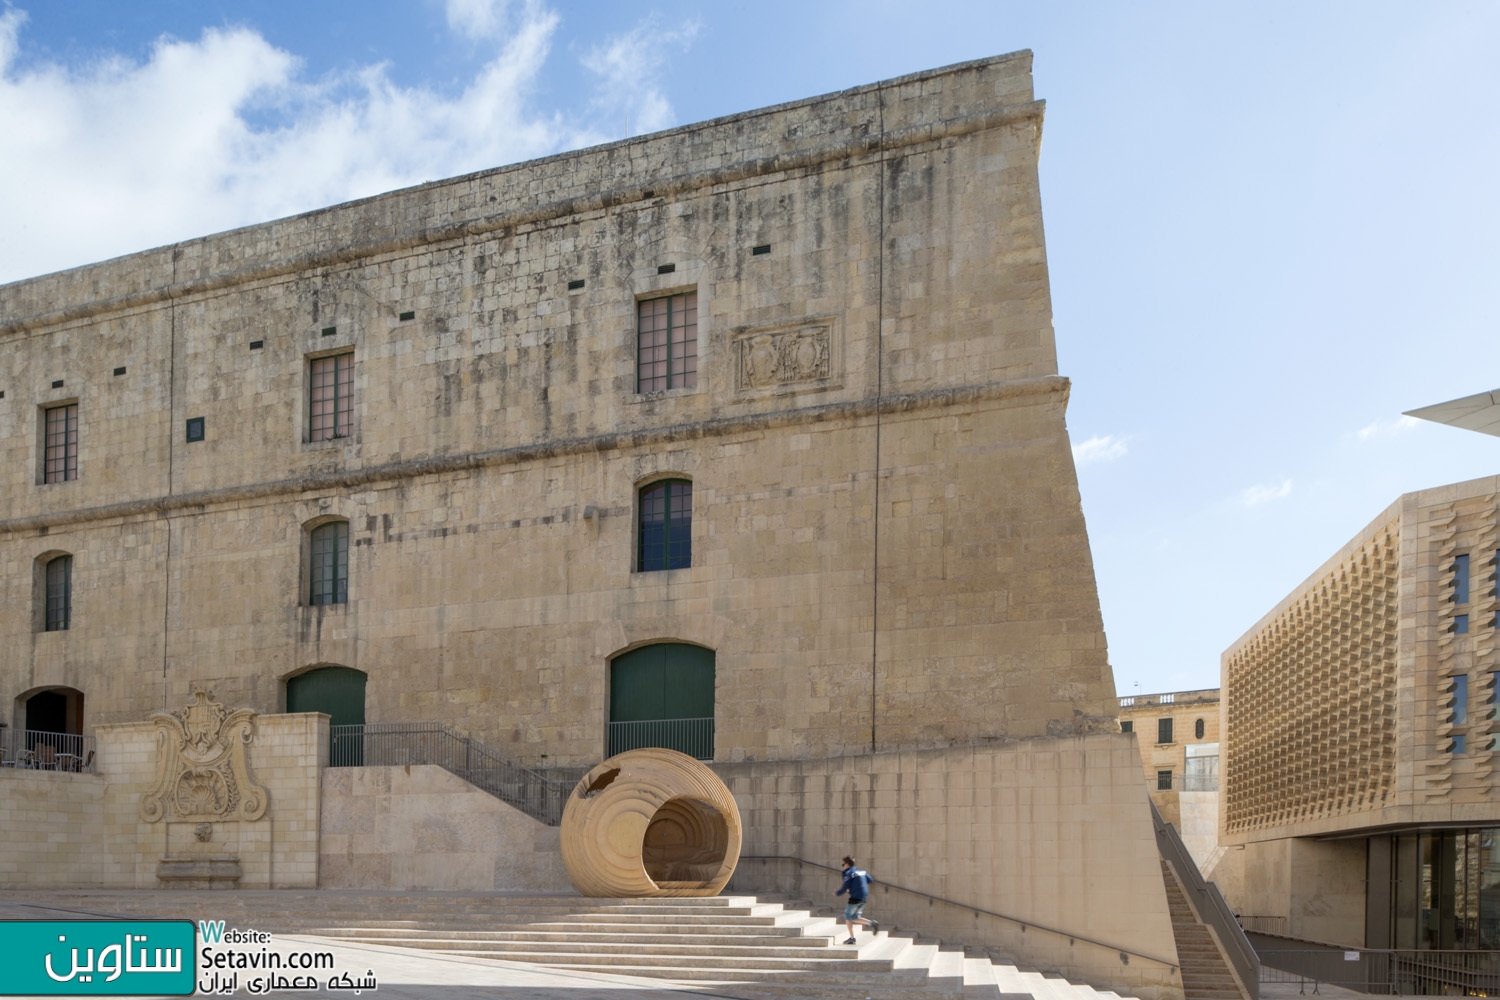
857,885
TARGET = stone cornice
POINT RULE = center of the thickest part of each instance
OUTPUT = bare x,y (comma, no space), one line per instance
1016,392
667,187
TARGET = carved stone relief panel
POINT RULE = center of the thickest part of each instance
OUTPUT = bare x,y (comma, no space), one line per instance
788,357
202,771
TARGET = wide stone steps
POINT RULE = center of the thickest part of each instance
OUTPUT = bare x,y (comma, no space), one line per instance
768,948
757,936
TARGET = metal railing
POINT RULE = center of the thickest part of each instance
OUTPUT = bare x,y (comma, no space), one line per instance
1022,922
694,737
1266,924
1209,905
33,749
1390,971
386,744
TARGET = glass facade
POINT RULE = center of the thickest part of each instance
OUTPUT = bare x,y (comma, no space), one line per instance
1446,889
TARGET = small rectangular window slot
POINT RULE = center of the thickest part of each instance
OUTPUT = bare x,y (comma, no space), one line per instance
195,429
407,317
58,384
666,268
329,331
256,345
2,393
120,370
575,284
761,250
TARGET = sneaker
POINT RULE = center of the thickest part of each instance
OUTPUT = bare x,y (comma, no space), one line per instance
874,926
850,941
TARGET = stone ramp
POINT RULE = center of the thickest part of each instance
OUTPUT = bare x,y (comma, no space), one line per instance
741,946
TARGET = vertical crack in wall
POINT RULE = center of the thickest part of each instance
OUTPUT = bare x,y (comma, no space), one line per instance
166,597
879,393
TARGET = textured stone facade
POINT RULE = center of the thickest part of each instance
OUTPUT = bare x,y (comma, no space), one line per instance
1361,709
888,553
1339,703
888,547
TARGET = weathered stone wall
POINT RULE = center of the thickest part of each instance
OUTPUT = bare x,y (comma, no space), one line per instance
889,554
83,830
419,827
1053,832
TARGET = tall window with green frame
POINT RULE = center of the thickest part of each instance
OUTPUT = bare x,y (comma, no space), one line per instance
667,343
328,571
330,399
58,615
666,526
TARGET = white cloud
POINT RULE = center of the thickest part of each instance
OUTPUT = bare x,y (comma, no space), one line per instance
476,18
121,155
1387,428
628,66
1100,449
1257,495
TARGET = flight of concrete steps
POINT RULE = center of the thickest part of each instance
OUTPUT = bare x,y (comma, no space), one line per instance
1205,973
766,948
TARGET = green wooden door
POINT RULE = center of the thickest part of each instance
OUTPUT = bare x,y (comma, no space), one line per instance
663,696
339,691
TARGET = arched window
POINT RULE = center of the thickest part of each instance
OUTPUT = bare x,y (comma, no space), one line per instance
57,610
328,563
662,695
666,525
1198,730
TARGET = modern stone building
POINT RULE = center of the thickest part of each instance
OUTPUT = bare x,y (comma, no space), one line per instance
747,438
1359,738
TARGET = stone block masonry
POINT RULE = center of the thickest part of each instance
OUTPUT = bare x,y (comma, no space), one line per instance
888,546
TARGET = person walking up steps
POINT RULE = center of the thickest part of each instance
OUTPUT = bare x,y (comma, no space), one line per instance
857,885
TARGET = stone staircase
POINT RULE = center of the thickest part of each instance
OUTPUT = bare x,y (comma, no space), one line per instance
1205,973
765,948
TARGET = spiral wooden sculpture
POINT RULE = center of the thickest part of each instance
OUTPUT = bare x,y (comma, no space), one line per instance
650,822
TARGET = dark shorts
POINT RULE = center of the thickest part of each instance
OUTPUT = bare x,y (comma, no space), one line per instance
853,909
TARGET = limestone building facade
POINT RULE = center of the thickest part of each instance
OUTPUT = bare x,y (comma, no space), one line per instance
861,346
746,437
1359,737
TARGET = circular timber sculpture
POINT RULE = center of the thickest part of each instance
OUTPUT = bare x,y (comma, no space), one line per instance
650,822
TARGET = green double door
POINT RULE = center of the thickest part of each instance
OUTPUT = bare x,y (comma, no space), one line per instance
663,696
340,692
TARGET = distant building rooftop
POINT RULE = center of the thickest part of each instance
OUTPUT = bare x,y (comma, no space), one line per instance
1199,697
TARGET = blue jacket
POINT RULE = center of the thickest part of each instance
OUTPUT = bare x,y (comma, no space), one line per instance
856,884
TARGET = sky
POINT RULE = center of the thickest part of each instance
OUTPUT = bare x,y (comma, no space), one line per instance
1271,227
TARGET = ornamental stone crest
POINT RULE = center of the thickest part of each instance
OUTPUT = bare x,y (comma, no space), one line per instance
202,772
787,358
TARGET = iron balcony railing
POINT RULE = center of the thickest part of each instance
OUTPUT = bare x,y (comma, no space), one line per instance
1389,971
385,744
37,750
694,737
